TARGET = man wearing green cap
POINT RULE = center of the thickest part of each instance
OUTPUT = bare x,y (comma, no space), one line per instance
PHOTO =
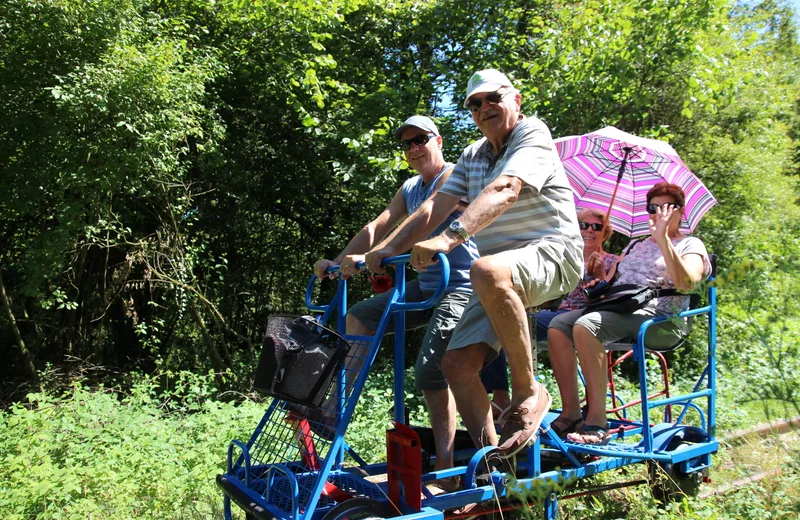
422,147
523,218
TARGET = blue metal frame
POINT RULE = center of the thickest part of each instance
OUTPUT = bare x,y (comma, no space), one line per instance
288,495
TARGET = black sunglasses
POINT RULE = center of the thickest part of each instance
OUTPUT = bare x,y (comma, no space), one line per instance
585,225
474,104
419,140
651,208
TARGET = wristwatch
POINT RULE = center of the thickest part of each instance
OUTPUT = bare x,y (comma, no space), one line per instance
457,228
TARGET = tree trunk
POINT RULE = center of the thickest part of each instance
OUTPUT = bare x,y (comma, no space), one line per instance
26,356
216,359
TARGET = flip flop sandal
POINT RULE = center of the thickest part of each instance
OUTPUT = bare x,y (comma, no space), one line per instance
599,433
562,427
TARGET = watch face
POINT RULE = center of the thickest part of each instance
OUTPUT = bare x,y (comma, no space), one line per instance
457,228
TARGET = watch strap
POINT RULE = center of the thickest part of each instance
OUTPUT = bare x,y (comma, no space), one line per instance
457,228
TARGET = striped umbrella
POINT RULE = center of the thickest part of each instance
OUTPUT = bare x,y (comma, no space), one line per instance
612,170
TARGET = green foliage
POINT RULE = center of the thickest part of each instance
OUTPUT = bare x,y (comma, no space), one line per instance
375,412
96,454
173,169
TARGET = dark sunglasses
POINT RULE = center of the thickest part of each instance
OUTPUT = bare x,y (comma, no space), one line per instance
475,104
419,140
585,225
651,208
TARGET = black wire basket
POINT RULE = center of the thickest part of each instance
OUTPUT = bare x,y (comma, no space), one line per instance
299,360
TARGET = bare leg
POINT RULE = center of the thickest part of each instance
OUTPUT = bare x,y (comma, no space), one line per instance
356,328
442,410
462,369
593,360
491,280
565,370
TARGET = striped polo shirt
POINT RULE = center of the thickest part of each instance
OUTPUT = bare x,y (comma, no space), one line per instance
545,209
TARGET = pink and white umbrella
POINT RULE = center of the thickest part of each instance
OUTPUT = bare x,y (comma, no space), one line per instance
612,170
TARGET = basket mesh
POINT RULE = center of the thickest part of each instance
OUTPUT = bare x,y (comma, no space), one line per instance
281,439
299,360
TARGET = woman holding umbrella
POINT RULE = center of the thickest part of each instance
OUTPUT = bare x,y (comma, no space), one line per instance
668,259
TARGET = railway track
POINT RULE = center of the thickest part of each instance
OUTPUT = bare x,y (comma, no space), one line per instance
731,441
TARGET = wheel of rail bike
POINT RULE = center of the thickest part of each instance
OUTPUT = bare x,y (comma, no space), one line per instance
360,509
668,483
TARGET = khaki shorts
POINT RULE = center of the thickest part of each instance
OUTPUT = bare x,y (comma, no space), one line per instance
440,322
609,327
539,275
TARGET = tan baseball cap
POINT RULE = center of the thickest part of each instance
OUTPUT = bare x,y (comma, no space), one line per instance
422,122
487,80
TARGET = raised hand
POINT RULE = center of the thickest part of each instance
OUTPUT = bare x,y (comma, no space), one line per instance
374,259
659,222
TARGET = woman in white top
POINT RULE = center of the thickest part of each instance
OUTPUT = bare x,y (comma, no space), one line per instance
668,259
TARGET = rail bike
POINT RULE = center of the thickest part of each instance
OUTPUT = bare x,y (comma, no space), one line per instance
298,465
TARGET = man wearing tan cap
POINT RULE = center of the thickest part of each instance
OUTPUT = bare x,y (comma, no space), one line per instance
523,218
422,146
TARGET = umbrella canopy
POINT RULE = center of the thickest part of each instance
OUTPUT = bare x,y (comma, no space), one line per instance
609,160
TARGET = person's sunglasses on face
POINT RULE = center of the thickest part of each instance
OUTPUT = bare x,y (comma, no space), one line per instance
419,140
651,208
475,104
585,225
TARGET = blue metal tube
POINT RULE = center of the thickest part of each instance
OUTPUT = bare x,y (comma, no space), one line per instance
638,355
690,405
437,295
712,363
399,346
679,398
695,389
245,457
295,489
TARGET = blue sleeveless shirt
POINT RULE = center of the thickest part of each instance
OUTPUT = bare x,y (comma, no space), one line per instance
415,192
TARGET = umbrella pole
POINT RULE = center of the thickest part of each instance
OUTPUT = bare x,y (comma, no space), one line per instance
607,219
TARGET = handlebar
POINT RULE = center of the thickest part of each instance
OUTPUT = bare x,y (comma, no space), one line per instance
444,280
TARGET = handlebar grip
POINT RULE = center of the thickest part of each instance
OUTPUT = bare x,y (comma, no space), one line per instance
444,280
393,260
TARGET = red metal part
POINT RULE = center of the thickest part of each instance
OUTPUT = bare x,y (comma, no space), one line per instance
381,283
612,388
304,440
404,465
309,455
